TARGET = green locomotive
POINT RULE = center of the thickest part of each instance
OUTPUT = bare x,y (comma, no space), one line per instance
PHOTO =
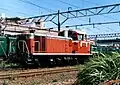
8,46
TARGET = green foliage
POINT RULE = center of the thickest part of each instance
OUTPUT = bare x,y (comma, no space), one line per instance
4,64
100,68
80,67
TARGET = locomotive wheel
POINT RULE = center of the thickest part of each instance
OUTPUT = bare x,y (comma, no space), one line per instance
58,61
70,61
52,61
73,61
37,62
12,58
79,60
64,61
44,62
82,59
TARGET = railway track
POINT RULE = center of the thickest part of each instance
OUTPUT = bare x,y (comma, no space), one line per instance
36,73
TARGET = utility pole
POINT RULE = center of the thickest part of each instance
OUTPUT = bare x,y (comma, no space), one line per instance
58,20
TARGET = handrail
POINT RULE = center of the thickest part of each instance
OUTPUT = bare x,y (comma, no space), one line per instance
25,45
3,50
38,45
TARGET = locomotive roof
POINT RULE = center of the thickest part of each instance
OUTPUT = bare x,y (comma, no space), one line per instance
76,30
43,31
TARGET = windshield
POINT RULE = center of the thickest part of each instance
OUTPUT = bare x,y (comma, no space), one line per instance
74,36
80,37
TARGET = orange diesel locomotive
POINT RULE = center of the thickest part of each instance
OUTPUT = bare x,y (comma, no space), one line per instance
43,48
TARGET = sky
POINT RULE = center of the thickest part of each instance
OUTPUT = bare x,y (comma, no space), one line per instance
19,8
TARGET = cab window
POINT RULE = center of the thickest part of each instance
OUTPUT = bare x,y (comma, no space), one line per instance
69,33
61,33
74,36
85,37
80,37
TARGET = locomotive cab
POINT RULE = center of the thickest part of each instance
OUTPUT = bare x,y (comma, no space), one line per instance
78,41
75,35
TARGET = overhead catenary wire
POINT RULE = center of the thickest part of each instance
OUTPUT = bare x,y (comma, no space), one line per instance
109,29
68,3
75,7
97,5
79,7
102,15
100,23
4,9
31,3
19,8
84,9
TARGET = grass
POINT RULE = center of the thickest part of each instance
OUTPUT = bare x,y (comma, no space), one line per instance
100,68
4,64
80,67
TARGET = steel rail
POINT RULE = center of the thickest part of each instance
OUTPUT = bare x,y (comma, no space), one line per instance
36,73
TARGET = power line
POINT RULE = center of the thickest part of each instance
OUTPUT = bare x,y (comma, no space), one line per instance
86,12
18,8
78,13
97,5
22,13
90,2
102,15
72,6
110,29
3,9
68,4
28,2
93,24
14,11
77,7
